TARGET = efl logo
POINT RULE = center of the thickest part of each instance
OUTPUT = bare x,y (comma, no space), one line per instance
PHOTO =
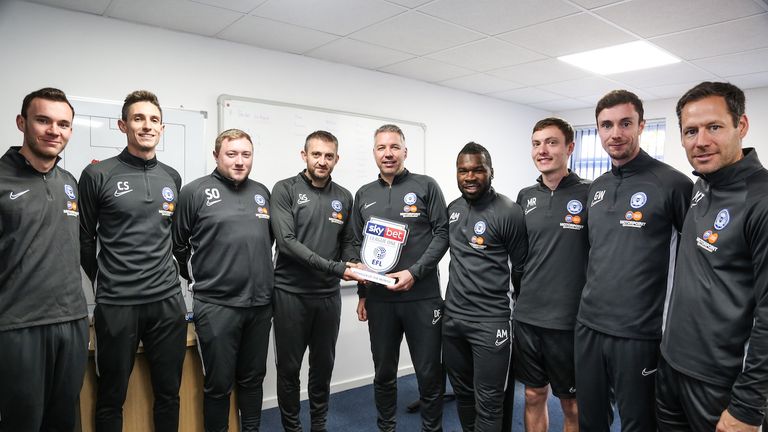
390,233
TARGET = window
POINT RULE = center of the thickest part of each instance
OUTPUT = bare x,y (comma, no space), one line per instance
589,160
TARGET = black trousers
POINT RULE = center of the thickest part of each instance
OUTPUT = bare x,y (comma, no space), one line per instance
477,356
162,329
421,322
303,322
233,345
41,374
628,366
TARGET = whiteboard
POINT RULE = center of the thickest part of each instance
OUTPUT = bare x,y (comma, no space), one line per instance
95,137
278,131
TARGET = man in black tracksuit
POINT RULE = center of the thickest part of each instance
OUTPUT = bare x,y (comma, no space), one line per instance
310,218
127,203
413,304
556,218
487,236
223,243
636,211
43,316
714,368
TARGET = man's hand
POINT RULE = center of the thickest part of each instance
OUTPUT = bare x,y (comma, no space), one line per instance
362,314
349,275
404,282
728,423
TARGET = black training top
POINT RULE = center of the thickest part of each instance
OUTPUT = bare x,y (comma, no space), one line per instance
40,266
635,215
416,201
223,241
126,206
487,236
717,325
313,234
558,248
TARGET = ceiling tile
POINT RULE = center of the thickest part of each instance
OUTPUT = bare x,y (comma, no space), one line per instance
426,70
728,38
90,6
583,32
410,3
750,81
540,72
526,95
561,105
736,64
243,6
497,16
415,33
592,4
657,17
274,35
480,83
663,75
671,91
358,53
340,17
581,87
486,54
180,15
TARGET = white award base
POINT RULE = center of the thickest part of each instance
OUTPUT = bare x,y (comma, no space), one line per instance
374,277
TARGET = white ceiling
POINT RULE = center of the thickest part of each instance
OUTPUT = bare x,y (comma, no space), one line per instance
504,49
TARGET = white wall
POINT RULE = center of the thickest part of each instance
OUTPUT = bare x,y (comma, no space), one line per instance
91,56
757,111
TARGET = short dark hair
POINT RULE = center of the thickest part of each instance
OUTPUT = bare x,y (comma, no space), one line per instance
475,148
559,123
140,96
47,93
229,135
619,97
390,128
734,99
322,136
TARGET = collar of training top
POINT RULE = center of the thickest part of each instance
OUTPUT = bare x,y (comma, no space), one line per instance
487,197
398,178
735,172
226,180
137,162
21,162
569,180
638,164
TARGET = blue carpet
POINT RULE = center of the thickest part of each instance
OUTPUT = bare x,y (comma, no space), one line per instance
354,410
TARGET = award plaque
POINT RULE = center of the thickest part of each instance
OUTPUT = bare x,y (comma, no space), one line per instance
383,241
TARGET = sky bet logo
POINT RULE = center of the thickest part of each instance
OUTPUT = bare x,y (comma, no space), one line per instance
386,232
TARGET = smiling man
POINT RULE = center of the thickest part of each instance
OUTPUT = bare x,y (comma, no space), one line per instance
488,247
556,218
636,213
412,305
311,220
223,243
713,374
127,202
43,316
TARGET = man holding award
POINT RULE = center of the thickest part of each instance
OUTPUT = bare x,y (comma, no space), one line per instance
400,223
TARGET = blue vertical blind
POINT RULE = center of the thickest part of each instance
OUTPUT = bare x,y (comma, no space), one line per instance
589,160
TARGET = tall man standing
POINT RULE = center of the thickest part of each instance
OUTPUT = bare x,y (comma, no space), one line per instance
127,202
412,305
636,212
43,317
223,243
555,272
488,247
310,219
713,374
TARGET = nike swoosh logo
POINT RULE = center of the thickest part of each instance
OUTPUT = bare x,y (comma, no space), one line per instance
501,342
434,321
365,206
646,372
596,202
530,210
210,203
121,193
16,195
